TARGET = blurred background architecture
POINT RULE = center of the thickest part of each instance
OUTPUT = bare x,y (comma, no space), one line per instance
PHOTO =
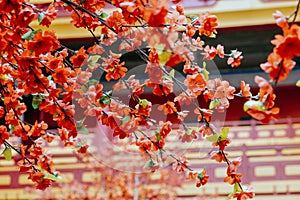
270,153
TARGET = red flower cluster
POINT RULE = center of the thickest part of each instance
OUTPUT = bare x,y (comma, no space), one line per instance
263,109
208,24
286,46
232,176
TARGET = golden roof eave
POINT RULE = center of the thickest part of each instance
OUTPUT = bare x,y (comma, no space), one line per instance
230,13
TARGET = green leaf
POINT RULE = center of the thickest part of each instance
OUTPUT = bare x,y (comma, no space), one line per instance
105,100
236,188
125,119
84,88
214,103
193,17
83,130
12,128
157,134
149,164
200,174
224,134
143,102
49,78
41,16
188,131
256,105
30,34
92,82
80,122
164,56
213,138
219,137
109,92
298,83
172,73
3,77
80,127
79,145
56,174
103,15
92,60
50,176
36,101
230,195
213,35
204,71
159,48
7,153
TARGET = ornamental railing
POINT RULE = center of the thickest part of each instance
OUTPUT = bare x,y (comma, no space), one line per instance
270,160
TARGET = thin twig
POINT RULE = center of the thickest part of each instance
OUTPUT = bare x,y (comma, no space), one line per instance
296,12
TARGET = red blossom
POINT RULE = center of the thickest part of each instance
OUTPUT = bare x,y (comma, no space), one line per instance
38,177
208,24
144,145
281,20
187,135
120,133
189,68
2,111
181,165
83,149
244,195
202,178
155,15
80,58
183,98
264,116
168,108
4,134
165,129
218,156
3,43
43,43
196,83
211,52
25,17
245,89
222,144
275,65
174,60
235,58
114,69
289,47
49,15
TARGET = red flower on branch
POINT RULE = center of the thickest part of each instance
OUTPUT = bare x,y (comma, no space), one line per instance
80,58
218,156
235,58
4,134
43,43
49,15
114,69
278,68
155,14
202,178
181,165
168,108
196,83
208,24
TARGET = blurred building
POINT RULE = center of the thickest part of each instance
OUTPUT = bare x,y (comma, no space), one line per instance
271,154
